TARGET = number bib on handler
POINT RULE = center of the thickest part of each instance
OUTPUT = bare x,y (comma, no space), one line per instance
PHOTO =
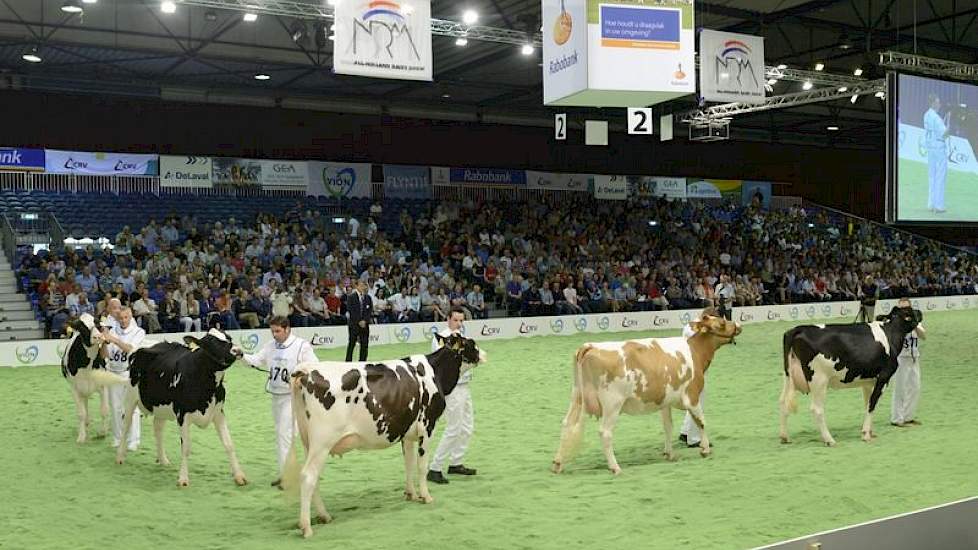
281,362
116,359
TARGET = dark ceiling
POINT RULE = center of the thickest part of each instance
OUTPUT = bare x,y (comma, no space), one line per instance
130,47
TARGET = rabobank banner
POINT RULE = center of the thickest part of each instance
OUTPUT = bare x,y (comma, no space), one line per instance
565,49
185,171
487,176
407,182
100,164
339,180
284,175
49,352
28,160
556,182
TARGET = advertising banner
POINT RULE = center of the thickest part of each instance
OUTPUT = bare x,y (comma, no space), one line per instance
613,188
565,49
339,180
284,175
28,160
556,182
407,182
487,176
714,189
732,67
100,164
185,171
756,189
651,186
236,172
383,39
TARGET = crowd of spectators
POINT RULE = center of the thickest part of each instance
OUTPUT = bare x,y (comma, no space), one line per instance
554,256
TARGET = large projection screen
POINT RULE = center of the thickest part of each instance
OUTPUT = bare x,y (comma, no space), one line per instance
933,129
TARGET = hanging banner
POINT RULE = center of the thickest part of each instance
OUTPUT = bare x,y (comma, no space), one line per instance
714,189
100,164
185,171
236,172
284,175
556,182
756,190
441,175
487,176
28,160
407,182
649,186
617,53
339,180
614,188
732,67
383,39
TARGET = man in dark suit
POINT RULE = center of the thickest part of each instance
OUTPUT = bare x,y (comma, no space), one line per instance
360,307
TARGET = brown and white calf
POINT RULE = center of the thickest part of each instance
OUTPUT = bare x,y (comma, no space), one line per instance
340,407
84,369
640,377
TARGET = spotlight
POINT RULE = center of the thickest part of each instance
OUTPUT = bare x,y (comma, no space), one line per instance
832,128
298,32
461,41
470,17
169,7
819,66
262,76
250,17
854,99
71,6
843,89
807,85
772,81
32,55
527,49
89,1
880,94
782,66
858,71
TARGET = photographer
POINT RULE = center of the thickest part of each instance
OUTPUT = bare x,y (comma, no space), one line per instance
868,292
725,292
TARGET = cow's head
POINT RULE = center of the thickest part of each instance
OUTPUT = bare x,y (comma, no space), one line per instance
216,345
464,347
903,319
721,328
88,329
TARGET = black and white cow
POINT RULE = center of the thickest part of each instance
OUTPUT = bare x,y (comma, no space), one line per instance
340,407
820,357
176,382
84,368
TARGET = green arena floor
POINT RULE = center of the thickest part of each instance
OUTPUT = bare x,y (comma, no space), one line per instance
752,491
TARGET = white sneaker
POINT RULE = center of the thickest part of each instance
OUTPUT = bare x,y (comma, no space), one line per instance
134,446
115,443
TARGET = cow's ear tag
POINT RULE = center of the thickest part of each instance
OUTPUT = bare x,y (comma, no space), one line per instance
192,345
68,330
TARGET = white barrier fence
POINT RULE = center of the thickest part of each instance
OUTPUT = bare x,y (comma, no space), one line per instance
49,352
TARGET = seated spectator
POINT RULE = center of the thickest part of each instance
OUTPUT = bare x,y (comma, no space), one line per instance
531,301
146,313
224,307
548,305
247,310
319,315
190,313
82,306
334,308
457,299
476,303
169,313
570,295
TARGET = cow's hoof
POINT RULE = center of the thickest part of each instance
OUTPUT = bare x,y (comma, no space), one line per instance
830,443
183,483
785,440
615,471
671,457
556,467
120,460
426,499
409,496
306,532
324,519
163,461
80,440
240,480
706,452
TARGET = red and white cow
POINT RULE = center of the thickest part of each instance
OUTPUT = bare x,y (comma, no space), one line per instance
340,407
640,377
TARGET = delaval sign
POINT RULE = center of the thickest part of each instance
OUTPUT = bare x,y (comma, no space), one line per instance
488,176
100,164
29,160
185,171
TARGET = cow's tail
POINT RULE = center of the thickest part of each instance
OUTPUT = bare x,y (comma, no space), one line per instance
572,428
104,378
291,473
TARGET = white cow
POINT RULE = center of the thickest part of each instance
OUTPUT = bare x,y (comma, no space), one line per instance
84,369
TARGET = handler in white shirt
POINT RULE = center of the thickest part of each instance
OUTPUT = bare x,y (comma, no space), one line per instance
120,341
906,380
459,418
279,358
690,432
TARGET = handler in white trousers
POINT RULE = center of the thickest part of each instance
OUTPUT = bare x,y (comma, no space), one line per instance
121,340
279,358
690,432
459,418
935,141
906,380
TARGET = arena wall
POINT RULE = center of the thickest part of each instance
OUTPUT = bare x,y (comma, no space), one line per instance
48,352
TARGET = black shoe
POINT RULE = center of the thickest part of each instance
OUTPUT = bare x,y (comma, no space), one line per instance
277,483
682,438
461,470
436,477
